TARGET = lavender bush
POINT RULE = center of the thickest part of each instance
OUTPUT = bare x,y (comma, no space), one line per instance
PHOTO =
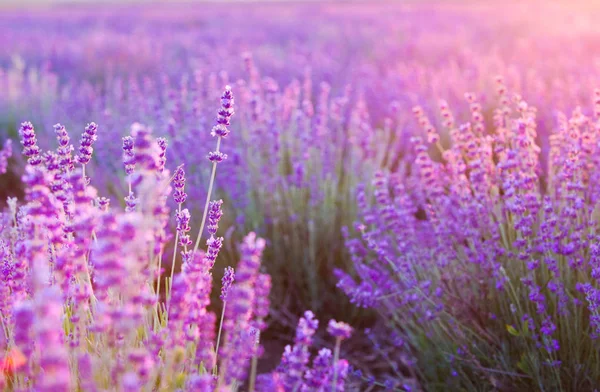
81,300
485,274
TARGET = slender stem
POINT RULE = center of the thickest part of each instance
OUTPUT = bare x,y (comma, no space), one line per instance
254,365
210,187
220,329
336,358
173,266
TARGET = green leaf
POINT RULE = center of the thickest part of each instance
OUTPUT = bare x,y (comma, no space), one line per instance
522,364
525,329
511,330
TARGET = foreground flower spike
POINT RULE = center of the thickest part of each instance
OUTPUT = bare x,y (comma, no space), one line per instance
5,153
29,142
339,329
224,114
179,184
318,377
239,312
128,156
296,358
219,131
214,215
162,144
65,148
183,227
226,282
88,138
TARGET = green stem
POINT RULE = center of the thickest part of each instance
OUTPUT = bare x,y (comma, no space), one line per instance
210,187
170,288
336,358
220,329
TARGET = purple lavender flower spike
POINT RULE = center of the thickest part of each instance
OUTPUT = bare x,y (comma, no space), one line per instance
226,282
88,138
339,329
29,142
216,156
65,148
179,184
214,215
128,155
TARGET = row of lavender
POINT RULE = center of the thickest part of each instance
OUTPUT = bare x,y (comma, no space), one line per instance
81,309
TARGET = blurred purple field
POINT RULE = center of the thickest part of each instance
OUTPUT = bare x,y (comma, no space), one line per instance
201,183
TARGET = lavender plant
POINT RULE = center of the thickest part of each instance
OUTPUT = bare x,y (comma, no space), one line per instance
482,271
80,282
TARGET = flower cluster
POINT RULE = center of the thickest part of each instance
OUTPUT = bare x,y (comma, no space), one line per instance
327,373
82,306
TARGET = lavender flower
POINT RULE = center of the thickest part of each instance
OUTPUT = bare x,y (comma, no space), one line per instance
65,148
29,142
128,155
88,138
216,156
183,227
224,114
339,329
226,282
214,215
162,144
295,358
238,314
179,184
318,377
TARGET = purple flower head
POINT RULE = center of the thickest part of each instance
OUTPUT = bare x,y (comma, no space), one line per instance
295,358
319,376
29,142
179,184
228,278
224,114
183,227
339,329
162,157
131,202
214,215
128,156
212,251
238,314
216,156
65,148
88,138
103,203
307,326
146,151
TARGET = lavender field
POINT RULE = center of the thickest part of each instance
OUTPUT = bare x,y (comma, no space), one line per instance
298,197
